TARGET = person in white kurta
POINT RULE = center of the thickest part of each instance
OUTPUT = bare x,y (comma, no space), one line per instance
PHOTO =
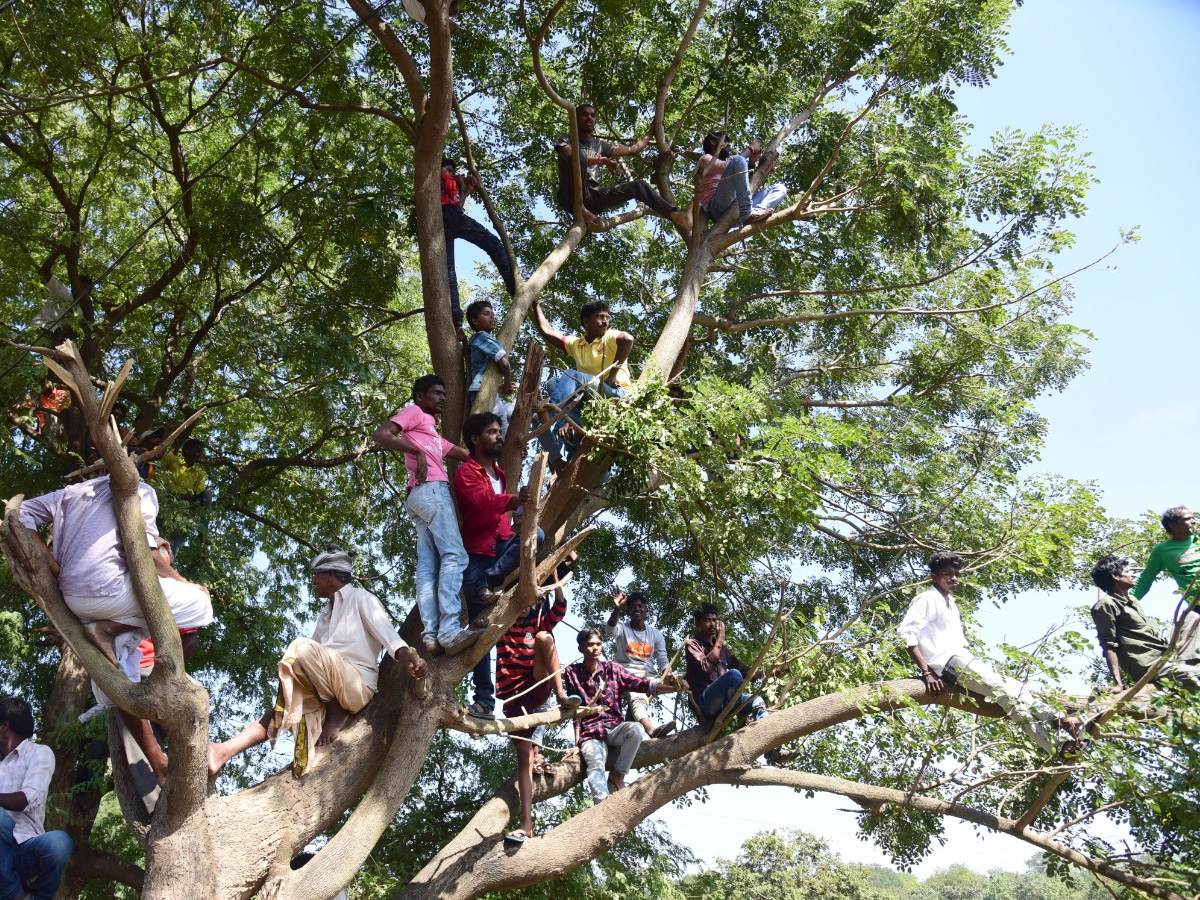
326,678
932,630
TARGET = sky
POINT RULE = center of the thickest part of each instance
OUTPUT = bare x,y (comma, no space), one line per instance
1117,70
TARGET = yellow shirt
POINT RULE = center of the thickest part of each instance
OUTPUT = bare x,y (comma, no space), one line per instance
594,357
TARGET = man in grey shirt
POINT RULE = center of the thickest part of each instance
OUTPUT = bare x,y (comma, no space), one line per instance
642,649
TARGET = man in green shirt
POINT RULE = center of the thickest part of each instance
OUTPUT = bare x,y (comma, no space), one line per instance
1130,641
1179,557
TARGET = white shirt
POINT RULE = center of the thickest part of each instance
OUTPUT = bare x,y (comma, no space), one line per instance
933,625
87,545
28,769
355,624
643,652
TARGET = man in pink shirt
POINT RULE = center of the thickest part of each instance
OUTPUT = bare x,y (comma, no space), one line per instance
441,557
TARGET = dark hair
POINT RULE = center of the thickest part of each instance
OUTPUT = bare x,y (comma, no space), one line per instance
713,141
585,635
580,107
475,426
636,597
475,309
590,309
704,609
944,559
193,442
1173,515
1106,569
424,383
447,161
17,715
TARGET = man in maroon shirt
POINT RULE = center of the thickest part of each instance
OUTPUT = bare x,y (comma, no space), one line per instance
493,550
715,675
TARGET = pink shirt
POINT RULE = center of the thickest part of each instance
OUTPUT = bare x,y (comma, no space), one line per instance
420,430
711,177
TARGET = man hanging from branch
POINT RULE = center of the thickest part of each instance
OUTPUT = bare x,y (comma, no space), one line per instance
932,631
441,557
457,224
93,575
1130,641
328,677
594,152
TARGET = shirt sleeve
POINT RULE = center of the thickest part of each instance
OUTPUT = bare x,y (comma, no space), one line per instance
378,623
474,494
914,620
1145,581
1105,618
490,346
606,149
149,503
613,631
36,782
697,654
558,611
39,510
661,660
570,343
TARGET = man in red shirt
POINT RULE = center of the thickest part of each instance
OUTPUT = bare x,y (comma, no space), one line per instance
493,549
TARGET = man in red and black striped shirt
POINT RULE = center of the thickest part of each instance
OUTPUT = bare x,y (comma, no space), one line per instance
527,670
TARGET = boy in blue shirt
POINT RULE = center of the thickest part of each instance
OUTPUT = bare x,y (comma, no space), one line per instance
484,348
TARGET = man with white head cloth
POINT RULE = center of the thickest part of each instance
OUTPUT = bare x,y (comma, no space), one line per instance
325,679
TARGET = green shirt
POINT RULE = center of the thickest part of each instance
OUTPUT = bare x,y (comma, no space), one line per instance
1122,626
1179,559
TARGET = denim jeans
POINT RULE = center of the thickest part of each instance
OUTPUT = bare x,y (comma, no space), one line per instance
35,866
734,187
458,224
558,389
440,559
725,693
625,738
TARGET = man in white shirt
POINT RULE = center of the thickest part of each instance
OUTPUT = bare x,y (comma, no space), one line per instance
31,860
642,649
932,631
325,679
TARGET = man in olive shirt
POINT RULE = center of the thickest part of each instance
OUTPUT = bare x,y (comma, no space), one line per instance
1130,641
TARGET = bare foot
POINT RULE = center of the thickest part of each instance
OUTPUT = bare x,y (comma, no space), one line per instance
755,218
335,718
616,782
216,759
682,219
460,334
102,635
1070,725
592,220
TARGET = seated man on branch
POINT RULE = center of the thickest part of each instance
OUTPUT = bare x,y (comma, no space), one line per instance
932,630
1129,639
594,152
642,649
601,683
32,860
93,575
325,679
714,675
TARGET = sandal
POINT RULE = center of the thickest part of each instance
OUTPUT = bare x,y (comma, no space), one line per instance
663,730
478,710
539,765
549,769
517,836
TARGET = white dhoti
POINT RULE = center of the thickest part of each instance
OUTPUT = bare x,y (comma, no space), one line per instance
190,605
311,675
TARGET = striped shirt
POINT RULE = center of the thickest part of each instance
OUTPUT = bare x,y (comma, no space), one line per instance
514,651
606,685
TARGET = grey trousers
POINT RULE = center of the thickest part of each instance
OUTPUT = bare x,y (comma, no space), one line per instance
625,739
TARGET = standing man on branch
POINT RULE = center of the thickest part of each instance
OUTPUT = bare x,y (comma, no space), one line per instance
594,152
441,557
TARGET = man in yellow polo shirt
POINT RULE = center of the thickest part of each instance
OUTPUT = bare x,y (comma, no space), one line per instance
601,357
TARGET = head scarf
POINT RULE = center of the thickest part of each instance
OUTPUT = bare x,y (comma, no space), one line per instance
334,560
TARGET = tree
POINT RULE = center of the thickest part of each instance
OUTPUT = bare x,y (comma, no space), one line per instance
222,188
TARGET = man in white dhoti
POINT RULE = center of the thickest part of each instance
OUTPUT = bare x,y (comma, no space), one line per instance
325,679
93,575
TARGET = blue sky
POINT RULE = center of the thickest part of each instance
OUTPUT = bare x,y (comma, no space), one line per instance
1118,70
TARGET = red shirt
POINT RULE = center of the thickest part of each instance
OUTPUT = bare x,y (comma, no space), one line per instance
485,516
449,190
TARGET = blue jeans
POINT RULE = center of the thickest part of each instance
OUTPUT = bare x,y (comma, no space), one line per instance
440,559
35,866
735,188
558,389
725,693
